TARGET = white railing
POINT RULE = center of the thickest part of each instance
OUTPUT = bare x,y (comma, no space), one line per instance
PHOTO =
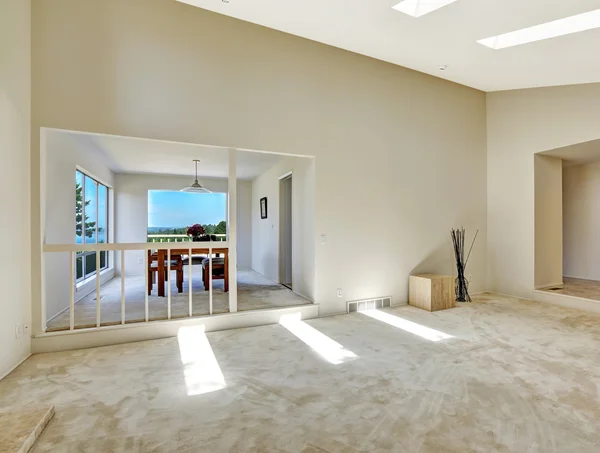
73,249
179,237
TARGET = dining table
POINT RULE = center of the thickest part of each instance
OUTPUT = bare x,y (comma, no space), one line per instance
179,253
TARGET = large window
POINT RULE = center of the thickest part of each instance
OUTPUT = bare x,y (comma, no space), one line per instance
170,213
91,220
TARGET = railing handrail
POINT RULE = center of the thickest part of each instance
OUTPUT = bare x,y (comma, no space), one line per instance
53,248
154,235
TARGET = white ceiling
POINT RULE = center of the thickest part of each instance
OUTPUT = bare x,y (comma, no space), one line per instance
136,155
444,37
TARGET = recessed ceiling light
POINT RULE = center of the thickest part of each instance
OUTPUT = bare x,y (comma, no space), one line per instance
418,8
560,27
443,67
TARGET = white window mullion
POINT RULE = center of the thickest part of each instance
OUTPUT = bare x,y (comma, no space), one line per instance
83,229
97,222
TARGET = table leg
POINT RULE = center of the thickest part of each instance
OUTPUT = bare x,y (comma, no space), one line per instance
161,273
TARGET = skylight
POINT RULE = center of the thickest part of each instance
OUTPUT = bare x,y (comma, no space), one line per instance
418,8
560,27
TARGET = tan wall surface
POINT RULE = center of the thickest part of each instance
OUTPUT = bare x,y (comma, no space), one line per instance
400,156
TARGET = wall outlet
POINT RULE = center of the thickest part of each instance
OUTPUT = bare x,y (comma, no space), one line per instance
339,292
140,260
323,239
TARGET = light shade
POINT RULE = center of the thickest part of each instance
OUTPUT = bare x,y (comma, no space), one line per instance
196,187
418,8
560,27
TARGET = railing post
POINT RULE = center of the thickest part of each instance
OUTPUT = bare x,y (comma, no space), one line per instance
168,271
232,229
210,280
122,286
72,292
146,267
190,285
97,288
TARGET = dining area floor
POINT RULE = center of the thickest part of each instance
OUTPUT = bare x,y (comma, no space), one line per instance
255,292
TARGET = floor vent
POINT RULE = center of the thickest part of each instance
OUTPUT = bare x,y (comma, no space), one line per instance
369,304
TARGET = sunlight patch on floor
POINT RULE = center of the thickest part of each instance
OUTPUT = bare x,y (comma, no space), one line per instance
200,366
408,326
327,348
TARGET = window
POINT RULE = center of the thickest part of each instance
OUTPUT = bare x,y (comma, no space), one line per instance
170,213
91,222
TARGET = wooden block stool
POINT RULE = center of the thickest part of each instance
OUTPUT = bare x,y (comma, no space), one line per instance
431,292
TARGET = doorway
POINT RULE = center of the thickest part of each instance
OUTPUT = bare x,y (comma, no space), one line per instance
285,230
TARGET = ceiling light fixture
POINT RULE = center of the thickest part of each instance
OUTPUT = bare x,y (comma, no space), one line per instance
418,8
443,67
196,187
560,27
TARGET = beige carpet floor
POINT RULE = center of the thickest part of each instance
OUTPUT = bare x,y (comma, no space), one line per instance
588,289
255,292
500,375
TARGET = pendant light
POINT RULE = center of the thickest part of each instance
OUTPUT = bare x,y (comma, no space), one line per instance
196,187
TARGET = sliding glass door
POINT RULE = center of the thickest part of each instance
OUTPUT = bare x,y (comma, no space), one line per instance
91,222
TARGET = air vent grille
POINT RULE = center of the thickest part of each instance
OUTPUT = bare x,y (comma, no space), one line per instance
369,304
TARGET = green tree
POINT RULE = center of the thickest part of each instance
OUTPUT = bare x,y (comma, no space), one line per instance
90,227
221,228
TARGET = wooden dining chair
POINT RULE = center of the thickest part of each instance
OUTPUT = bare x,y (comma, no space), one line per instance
176,265
219,272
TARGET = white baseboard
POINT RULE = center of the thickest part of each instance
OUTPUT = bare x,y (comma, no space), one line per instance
496,293
15,367
303,296
337,313
87,287
555,285
58,314
105,276
277,283
563,300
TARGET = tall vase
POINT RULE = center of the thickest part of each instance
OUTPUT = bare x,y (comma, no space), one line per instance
461,288
461,285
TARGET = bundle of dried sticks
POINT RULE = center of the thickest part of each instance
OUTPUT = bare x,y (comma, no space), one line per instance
461,285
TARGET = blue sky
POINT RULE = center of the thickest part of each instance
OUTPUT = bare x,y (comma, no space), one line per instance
181,209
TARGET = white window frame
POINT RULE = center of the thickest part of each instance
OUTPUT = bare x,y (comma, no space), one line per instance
83,255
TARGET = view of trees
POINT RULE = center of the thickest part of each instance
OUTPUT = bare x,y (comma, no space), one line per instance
90,227
220,228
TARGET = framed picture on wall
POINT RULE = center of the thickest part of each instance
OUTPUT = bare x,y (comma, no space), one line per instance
263,208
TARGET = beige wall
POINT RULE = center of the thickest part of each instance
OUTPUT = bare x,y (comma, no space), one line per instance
548,221
581,221
521,123
400,156
15,303
265,232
